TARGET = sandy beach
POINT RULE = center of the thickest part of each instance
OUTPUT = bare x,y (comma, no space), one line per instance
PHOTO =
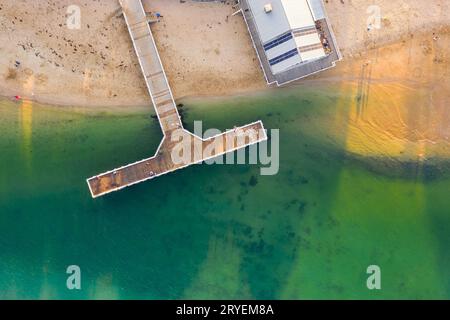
399,74
205,50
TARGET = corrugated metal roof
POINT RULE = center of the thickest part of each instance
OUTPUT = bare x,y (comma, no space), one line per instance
298,13
280,49
307,39
285,15
270,25
275,28
317,9
286,64
312,54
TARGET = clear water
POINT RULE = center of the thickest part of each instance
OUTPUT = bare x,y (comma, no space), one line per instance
206,231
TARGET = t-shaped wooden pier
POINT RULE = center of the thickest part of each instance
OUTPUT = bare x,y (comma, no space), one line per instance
179,148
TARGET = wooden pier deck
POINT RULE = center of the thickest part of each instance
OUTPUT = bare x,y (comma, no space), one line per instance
172,153
151,66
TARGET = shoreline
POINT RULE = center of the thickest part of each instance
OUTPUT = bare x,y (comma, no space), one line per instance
432,167
340,74
6,94
96,65
393,99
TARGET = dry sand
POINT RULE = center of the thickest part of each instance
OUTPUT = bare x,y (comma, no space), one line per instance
205,50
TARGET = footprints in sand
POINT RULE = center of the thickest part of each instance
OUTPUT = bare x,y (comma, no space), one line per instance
37,35
25,76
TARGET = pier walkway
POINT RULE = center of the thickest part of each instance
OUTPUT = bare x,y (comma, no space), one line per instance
179,148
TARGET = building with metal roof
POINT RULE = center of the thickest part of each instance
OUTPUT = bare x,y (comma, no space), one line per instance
293,38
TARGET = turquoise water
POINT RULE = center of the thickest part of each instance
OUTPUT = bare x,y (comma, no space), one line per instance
213,231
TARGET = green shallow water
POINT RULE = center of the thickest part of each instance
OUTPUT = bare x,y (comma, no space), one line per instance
212,231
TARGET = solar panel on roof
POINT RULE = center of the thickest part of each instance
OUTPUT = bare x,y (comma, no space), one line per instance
281,39
283,57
